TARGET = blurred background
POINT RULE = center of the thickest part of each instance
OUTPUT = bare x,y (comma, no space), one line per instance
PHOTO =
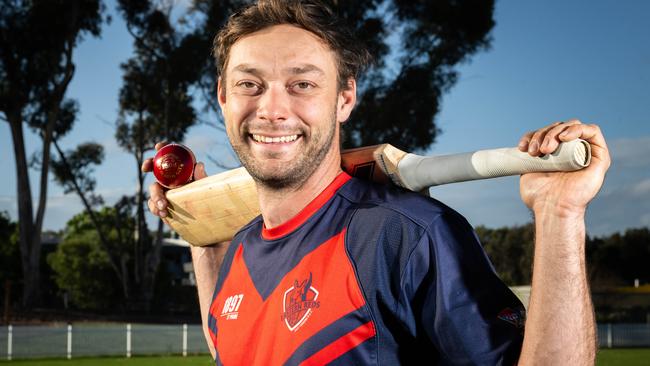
88,87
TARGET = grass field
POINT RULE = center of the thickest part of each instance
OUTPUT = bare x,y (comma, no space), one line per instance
624,356
606,357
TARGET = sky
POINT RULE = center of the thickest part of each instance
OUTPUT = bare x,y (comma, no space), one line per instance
549,61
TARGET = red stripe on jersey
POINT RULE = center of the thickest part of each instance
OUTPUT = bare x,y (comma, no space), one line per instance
341,345
310,209
256,331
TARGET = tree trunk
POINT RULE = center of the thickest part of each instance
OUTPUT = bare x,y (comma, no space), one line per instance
31,275
152,263
35,252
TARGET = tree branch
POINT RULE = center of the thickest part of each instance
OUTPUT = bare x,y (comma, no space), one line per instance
102,237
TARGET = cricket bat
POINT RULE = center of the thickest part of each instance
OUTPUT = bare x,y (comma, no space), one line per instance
213,209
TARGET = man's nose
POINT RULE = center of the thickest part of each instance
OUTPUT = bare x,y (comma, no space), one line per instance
274,104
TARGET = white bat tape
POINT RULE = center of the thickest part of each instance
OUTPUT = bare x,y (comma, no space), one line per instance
419,172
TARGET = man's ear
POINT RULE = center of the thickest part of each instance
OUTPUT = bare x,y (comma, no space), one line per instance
221,92
346,101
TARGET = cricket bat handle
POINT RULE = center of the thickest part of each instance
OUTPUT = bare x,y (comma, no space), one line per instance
418,172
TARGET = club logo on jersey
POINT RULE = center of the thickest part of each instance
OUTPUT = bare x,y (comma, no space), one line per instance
515,317
231,307
299,303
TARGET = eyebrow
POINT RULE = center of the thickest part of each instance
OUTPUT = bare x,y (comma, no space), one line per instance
298,70
305,69
246,68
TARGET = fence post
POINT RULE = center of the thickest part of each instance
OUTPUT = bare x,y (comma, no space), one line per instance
128,340
10,332
69,341
609,335
184,340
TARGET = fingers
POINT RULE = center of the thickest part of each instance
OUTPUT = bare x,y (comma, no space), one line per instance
538,140
157,203
545,140
159,145
523,142
147,164
551,140
199,171
594,136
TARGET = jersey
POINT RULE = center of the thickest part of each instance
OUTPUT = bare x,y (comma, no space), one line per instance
365,274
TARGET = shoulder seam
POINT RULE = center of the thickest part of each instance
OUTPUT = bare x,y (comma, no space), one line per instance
421,223
427,230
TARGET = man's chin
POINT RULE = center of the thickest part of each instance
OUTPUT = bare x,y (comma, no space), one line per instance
276,180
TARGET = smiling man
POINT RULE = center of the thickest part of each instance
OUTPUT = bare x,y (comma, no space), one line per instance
338,270
279,92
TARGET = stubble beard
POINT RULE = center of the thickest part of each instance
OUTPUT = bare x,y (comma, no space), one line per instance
296,172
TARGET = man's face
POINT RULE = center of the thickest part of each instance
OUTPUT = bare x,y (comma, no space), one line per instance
281,104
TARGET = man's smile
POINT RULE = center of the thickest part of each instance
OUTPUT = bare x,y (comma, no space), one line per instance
274,139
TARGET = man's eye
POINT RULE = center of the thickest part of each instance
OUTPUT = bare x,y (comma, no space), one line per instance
302,86
248,87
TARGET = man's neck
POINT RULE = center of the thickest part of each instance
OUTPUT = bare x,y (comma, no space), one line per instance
278,206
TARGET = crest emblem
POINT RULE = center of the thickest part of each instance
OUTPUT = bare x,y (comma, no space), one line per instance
299,303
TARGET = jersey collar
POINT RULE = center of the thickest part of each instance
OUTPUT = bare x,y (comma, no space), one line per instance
311,208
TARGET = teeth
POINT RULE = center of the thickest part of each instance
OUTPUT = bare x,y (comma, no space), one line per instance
274,140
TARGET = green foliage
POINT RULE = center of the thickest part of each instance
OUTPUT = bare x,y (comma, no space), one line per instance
37,40
155,103
75,170
619,259
511,251
82,268
9,251
401,99
613,260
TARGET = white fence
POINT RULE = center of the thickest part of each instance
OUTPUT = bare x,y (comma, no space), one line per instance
624,335
84,340
81,340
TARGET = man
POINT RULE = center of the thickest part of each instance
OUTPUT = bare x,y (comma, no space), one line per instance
341,271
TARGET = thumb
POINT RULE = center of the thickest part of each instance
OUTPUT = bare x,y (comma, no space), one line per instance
199,171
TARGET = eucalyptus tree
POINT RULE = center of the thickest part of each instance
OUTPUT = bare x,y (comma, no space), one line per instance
155,105
37,42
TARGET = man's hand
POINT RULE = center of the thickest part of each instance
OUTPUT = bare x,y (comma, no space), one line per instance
560,327
564,193
206,260
157,202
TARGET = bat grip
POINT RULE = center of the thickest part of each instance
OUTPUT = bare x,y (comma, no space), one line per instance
419,172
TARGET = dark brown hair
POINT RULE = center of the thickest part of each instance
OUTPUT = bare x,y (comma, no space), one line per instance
311,15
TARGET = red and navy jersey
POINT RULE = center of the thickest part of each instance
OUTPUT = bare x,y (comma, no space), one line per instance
365,274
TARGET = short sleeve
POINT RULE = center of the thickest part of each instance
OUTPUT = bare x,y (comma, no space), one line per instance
451,295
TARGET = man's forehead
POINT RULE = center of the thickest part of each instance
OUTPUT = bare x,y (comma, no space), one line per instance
283,47
303,68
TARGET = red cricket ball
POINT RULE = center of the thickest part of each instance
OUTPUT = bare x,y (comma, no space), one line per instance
173,165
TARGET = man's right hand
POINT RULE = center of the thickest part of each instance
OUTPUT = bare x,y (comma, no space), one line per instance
206,260
157,203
